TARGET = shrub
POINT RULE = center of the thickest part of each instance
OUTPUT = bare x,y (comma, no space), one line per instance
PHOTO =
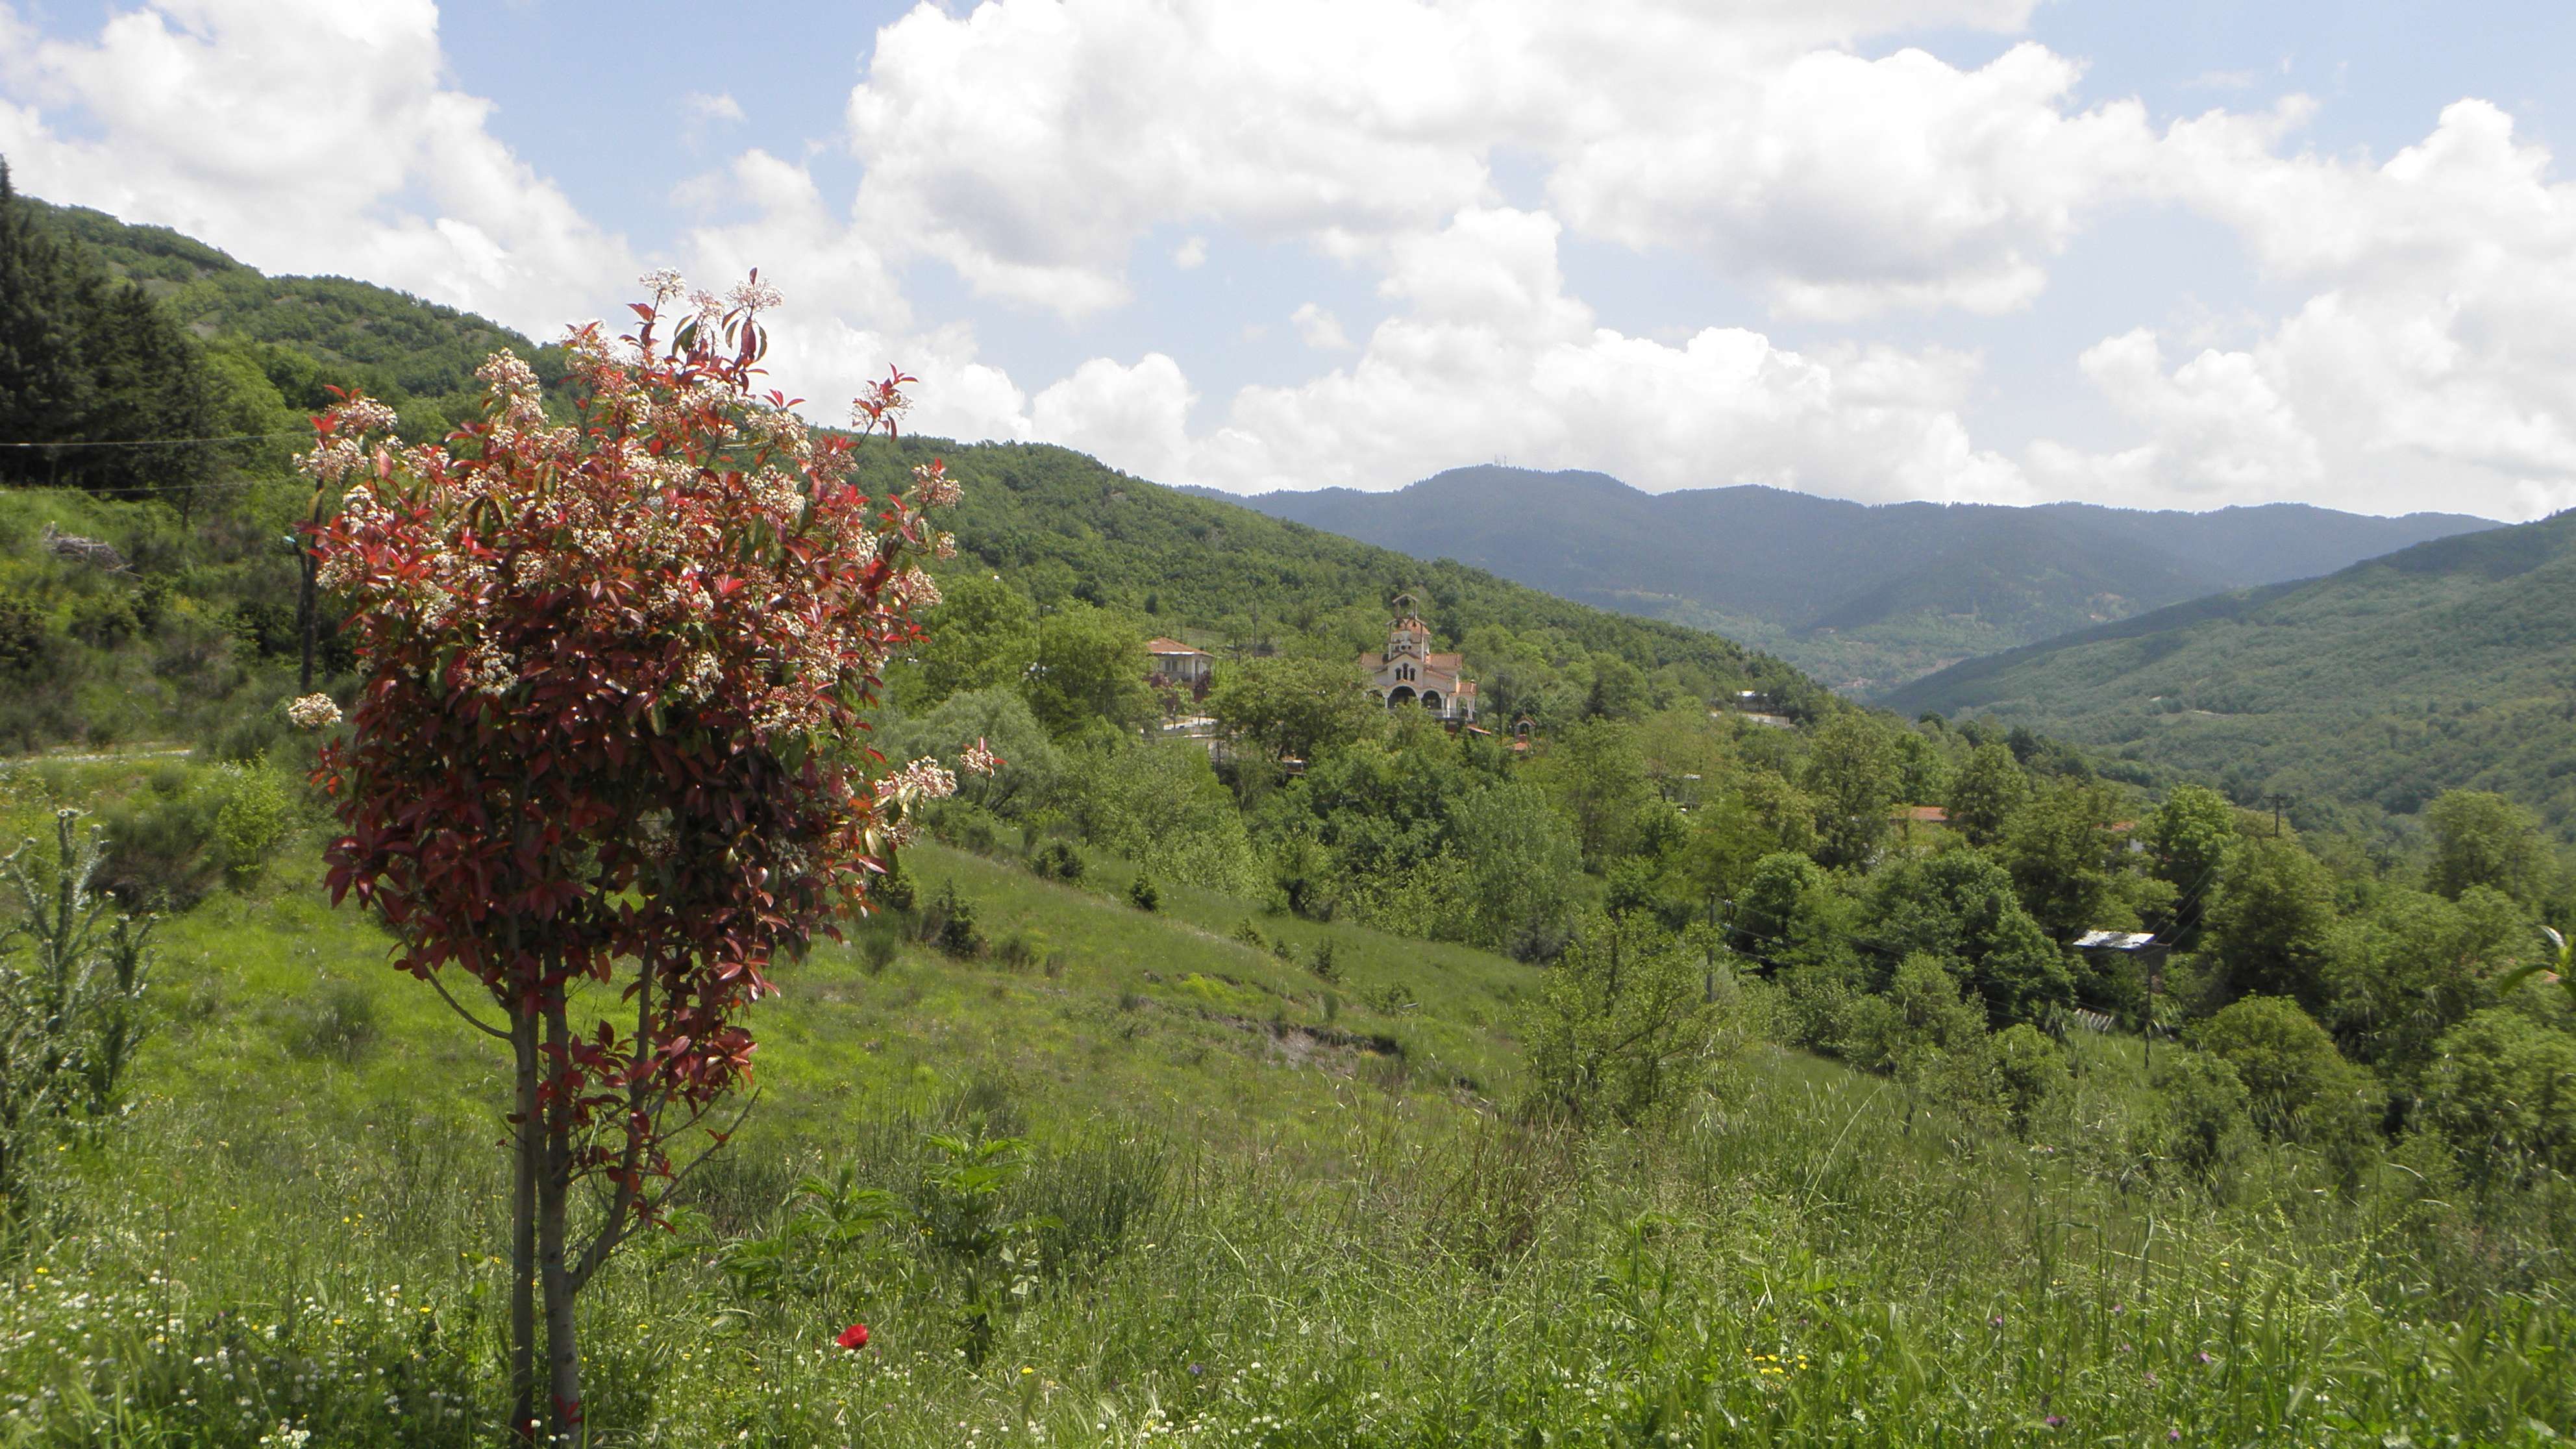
877,952
1250,935
1324,966
2030,1071
1145,895
2204,1129
956,931
1621,1026
2297,1086
2503,1092
253,816
1058,860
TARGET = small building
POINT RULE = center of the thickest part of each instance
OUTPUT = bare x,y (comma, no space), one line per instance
1172,664
1407,671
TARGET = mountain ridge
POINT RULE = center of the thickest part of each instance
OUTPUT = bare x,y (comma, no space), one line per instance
1863,595
2443,665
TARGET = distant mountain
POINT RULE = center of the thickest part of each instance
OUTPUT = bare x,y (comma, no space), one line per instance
1864,597
2449,664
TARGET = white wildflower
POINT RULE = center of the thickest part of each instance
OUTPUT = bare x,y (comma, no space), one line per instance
664,283
978,758
313,712
754,295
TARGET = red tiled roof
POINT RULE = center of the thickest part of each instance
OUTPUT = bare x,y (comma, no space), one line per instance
1169,646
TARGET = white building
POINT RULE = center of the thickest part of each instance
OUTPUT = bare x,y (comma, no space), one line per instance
1408,672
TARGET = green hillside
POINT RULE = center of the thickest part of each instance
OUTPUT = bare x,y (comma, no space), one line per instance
1863,597
1260,1206
2449,665
1267,1068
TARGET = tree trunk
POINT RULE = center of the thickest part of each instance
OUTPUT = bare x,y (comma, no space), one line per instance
523,1231
563,1348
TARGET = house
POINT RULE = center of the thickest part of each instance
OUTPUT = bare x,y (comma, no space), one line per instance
1172,664
1406,671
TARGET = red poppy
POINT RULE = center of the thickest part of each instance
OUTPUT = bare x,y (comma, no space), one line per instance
853,1337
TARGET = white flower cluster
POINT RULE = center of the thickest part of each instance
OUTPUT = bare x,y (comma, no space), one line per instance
935,488
978,758
312,712
923,779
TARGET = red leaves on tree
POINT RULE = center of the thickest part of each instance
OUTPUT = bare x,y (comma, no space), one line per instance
614,666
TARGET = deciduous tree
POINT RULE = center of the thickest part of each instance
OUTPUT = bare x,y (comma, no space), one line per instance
606,740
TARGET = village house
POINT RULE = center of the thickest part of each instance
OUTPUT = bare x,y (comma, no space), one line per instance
1408,672
1173,665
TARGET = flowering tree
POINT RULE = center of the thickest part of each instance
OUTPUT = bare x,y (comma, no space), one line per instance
604,760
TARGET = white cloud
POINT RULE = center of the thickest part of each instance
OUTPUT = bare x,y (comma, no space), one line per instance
1191,253
2433,367
1489,355
1319,329
707,109
1846,186
1029,143
303,136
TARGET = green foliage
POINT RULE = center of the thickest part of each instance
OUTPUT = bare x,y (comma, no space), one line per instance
1144,895
1090,670
2481,838
252,816
1986,792
2030,1075
2272,925
1959,908
2298,1087
2361,696
2207,1128
1622,1026
1852,774
1287,707
1058,860
2058,847
984,637
2187,838
1164,807
2413,967
71,1012
2503,1090
1927,1034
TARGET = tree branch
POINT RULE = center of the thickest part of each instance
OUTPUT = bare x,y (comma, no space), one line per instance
471,1019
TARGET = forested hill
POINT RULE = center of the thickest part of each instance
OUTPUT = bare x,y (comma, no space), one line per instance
1061,524
2450,664
1865,597
126,333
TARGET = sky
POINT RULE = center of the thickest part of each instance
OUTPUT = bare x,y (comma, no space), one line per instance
2181,254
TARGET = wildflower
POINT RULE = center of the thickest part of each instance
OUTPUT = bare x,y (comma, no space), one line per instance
313,712
979,759
854,1337
2055,1421
1995,1322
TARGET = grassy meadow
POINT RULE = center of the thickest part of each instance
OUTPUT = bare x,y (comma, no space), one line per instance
1255,1206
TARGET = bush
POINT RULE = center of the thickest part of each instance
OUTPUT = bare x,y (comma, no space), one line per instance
2030,1072
1250,935
952,924
1324,966
1621,1026
1058,860
893,890
2204,1129
2297,1086
1145,895
251,819
2503,1092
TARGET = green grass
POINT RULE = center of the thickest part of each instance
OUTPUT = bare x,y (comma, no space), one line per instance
1348,1240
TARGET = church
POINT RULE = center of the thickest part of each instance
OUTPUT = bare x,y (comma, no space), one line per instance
1407,672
